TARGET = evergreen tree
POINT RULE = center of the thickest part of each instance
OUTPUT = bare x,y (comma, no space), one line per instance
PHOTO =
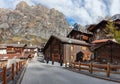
113,31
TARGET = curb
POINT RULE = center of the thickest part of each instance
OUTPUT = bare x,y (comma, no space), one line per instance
95,76
22,75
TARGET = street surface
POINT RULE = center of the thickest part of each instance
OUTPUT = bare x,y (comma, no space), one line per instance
42,73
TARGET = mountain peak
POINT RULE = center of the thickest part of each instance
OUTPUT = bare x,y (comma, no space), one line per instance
21,5
116,16
31,24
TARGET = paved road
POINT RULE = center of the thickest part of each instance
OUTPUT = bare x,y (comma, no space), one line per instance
41,73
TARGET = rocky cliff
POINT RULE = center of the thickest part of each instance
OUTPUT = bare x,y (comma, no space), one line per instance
31,24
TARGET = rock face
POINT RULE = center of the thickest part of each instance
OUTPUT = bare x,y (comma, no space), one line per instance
31,24
117,16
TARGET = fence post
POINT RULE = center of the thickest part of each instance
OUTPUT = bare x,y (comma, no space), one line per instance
52,60
79,66
20,65
65,63
91,66
23,63
12,71
108,69
71,65
4,75
74,65
17,68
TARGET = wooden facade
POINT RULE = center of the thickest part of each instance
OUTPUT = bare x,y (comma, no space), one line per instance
64,50
102,42
82,35
3,49
15,50
11,50
30,51
117,23
98,31
78,42
3,52
107,51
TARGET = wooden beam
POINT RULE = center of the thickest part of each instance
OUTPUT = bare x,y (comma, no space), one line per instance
60,54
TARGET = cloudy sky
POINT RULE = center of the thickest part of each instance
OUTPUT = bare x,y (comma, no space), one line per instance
83,12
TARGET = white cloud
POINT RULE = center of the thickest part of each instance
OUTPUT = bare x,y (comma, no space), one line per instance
115,7
81,11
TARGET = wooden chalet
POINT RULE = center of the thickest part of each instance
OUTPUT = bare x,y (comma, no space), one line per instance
65,50
80,34
8,51
3,49
117,23
106,50
30,50
3,52
15,50
95,27
98,31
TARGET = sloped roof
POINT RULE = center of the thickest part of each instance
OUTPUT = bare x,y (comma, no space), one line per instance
31,47
84,31
66,40
70,41
100,24
14,45
101,41
2,46
91,26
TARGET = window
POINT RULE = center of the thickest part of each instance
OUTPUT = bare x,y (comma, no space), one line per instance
97,36
98,30
77,36
84,48
71,48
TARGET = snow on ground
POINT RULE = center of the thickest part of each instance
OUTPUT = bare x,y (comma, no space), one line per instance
42,73
56,64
